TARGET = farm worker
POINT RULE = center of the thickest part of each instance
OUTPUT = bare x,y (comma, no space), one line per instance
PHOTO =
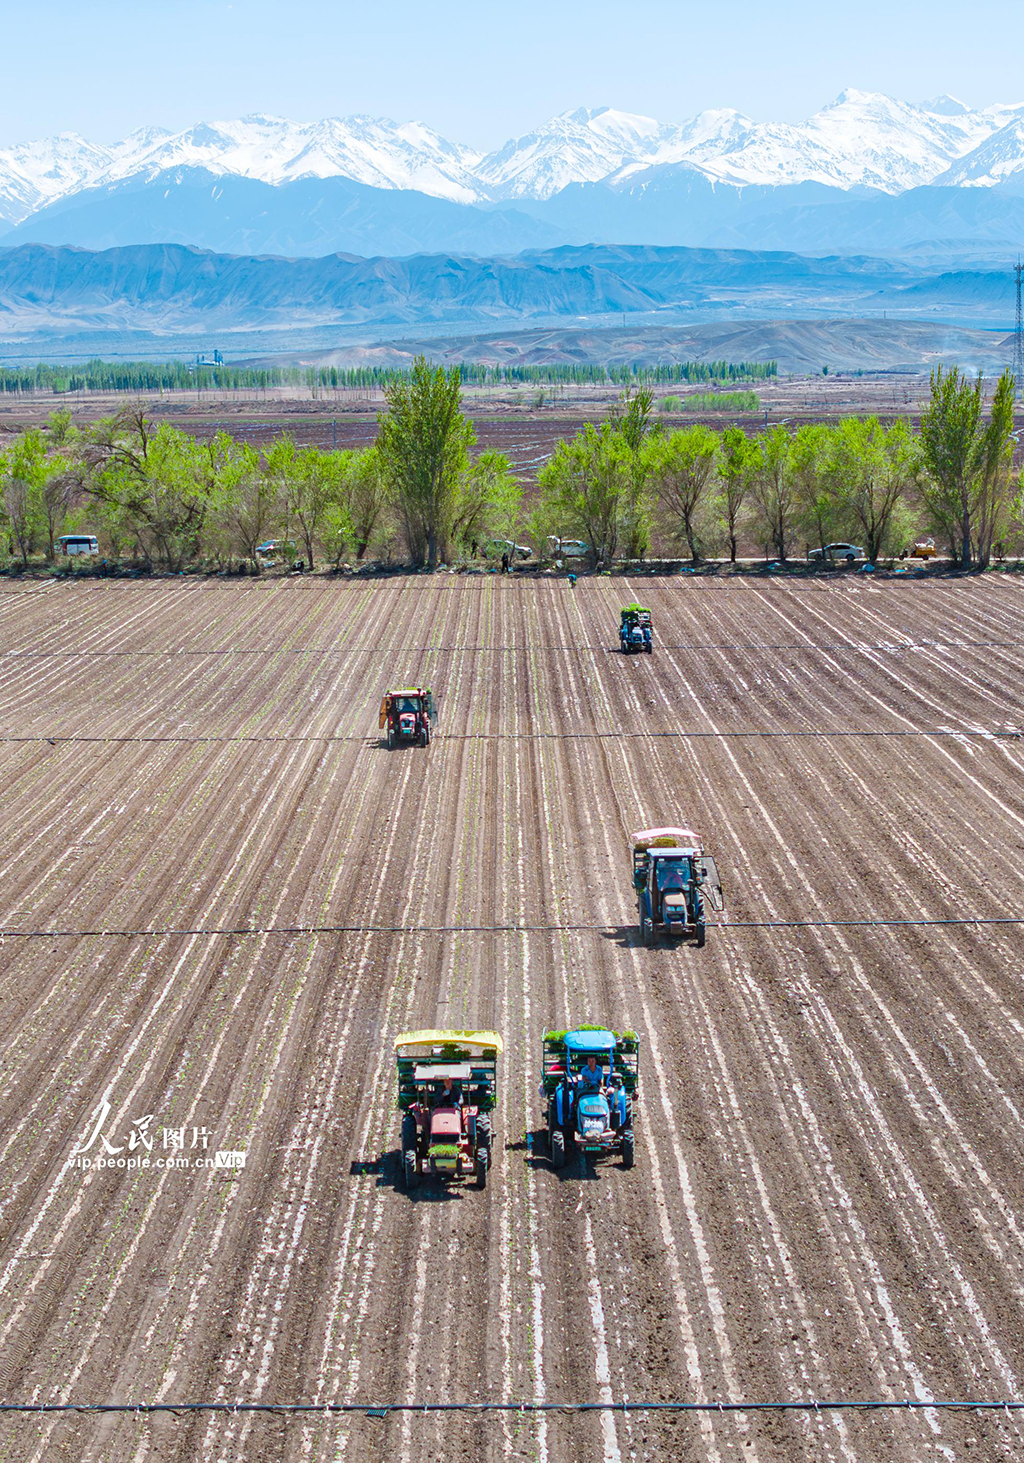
572,581
591,1076
448,1095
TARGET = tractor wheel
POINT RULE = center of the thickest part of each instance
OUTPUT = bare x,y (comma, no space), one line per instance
557,1148
646,931
483,1131
424,737
648,647
408,1133
391,739
483,1163
627,1148
410,1169
702,934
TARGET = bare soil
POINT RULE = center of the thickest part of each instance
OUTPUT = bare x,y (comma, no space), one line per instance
828,1189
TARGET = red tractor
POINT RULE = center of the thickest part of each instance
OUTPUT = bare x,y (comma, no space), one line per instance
408,716
447,1090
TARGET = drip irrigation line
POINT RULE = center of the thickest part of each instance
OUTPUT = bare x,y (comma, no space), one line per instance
861,648
509,929
1011,735
371,1409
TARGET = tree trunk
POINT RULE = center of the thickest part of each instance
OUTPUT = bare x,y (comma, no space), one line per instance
965,540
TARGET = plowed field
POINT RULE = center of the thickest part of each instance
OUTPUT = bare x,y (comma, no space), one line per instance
238,898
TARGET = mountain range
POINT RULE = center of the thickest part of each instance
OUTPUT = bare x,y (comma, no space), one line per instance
169,289
932,179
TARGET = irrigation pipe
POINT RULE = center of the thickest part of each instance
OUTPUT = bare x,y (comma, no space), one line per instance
985,735
863,646
522,929
369,1409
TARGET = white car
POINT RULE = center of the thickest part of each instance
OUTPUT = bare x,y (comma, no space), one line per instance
498,546
838,554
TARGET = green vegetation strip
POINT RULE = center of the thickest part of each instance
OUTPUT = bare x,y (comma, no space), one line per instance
133,376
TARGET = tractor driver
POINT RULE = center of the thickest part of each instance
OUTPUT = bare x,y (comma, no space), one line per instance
673,874
590,1077
447,1095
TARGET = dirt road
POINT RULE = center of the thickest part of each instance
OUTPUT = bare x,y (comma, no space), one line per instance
828,1199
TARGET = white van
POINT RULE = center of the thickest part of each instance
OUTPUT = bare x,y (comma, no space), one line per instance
78,543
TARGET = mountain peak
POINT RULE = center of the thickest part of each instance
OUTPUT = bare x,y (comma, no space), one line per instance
944,106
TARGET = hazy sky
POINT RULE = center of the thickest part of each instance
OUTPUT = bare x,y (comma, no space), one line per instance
483,72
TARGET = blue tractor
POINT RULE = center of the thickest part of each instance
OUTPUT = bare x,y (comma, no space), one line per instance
589,1085
635,629
674,880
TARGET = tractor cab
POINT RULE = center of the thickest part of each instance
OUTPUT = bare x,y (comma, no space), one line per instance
408,715
590,1103
673,878
447,1089
635,629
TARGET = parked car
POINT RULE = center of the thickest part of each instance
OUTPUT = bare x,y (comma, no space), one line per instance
837,554
274,551
568,548
78,543
495,547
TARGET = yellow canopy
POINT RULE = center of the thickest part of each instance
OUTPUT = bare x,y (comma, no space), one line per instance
488,1040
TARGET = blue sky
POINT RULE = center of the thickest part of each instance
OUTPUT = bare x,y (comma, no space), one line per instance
481,73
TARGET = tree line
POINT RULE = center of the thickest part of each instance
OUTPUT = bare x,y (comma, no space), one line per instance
423,494
136,376
621,484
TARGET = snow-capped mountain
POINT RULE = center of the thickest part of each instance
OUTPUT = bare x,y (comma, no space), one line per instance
577,147
32,174
273,150
998,158
863,139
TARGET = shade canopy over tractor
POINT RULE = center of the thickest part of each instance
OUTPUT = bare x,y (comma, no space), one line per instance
649,838
590,1041
470,1058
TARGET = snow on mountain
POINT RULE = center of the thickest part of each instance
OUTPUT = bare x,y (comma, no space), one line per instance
996,159
32,174
862,138
577,147
369,150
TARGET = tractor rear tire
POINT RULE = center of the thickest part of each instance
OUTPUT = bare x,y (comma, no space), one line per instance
391,739
483,1163
702,935
627,1148
410,1169
557,1148
408,1133
646,930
